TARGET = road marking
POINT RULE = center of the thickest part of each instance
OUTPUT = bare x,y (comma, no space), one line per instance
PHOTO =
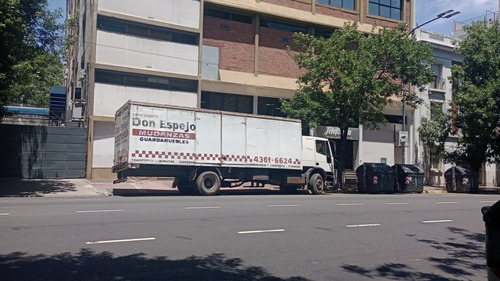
4,214
283,205
437,221
100,211
198,208
488,201
397,203
120,241
260,231
446,202
350,204
362,225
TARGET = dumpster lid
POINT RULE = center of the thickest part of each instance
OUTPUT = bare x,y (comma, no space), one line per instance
409,168
461,170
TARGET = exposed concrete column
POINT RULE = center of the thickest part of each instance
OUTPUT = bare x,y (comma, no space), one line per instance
256,46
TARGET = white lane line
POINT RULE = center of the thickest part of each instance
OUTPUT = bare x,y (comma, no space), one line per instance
283,205
488,201
362,225
99,211
198,208
4,214
446,202
260,231
350,204
397,203
120,241
437,221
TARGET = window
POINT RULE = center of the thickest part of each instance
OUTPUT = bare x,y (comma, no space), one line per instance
270,107
227,102
145,81
436,110
283,26
321,32
146,31
211,12
386,8
346,4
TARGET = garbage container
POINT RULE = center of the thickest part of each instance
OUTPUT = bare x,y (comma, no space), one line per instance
491,218
409,178
460,179
375,178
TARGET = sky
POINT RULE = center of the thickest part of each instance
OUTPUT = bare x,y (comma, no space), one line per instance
470,10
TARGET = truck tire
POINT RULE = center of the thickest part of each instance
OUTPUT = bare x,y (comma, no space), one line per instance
316,184
208,183
185,188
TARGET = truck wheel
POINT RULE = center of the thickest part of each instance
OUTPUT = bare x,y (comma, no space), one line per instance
316,184
208,183
184,187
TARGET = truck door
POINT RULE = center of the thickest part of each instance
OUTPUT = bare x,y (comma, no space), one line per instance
324,156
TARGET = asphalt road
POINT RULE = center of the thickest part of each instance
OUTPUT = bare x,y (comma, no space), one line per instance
245,237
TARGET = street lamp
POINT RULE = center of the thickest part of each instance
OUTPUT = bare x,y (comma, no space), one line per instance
404,136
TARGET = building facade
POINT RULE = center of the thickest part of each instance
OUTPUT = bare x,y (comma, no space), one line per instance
216,54
438,96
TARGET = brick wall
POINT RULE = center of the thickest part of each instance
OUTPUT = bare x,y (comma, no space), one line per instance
273,57
337,12
299,5
236,45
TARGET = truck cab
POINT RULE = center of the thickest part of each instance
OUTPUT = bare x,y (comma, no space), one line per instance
317,157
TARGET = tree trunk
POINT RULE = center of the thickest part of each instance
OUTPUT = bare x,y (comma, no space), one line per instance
341,157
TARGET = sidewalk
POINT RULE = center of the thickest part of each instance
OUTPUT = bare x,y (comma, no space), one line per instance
86,188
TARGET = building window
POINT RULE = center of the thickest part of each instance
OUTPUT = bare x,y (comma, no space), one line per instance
211,12
270,107
146,31
321,32
227,102
436,110
145,81
284,26
386,8
346,4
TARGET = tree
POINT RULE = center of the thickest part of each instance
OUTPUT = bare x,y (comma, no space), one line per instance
351,76
476,92
29,34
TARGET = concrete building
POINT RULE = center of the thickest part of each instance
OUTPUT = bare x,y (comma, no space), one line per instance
217,54
439,96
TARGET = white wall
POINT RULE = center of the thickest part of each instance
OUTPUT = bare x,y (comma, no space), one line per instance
108,98
135,52
103,144
179,12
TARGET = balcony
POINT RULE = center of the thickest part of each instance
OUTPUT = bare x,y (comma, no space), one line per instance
438,84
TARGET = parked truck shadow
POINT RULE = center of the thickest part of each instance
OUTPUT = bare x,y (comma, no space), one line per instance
89,265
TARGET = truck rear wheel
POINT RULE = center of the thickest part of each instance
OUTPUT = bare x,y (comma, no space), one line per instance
316,184
208,183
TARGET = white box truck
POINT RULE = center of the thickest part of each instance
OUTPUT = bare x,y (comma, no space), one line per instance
208,149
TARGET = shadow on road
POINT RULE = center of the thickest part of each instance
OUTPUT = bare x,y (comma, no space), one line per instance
461,261
33,187
88,265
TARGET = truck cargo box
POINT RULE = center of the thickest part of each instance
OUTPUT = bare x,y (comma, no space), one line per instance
170,135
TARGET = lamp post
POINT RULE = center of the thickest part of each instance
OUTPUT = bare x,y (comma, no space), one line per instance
404,137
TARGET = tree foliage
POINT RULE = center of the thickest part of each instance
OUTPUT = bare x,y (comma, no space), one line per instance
351,76
30,37
476,111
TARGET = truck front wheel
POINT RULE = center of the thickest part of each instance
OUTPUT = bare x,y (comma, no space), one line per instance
316,184
208,183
